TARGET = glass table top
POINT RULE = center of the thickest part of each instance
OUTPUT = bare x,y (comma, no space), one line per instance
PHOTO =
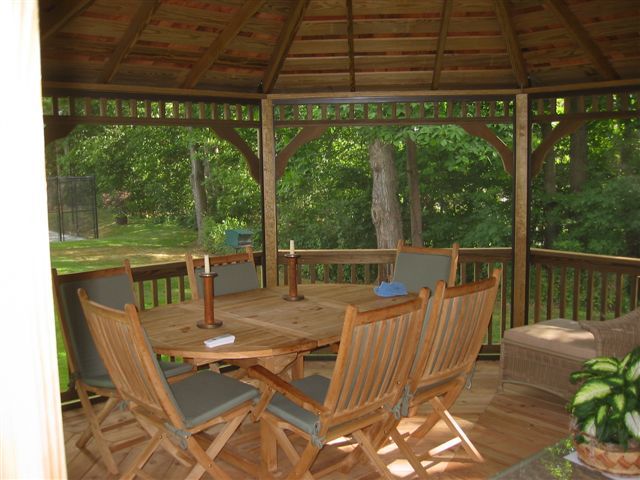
549,463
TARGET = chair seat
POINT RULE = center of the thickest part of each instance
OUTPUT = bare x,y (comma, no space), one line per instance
560,337
314,386
170,369
206,395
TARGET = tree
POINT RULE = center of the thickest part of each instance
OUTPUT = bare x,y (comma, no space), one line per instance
385,207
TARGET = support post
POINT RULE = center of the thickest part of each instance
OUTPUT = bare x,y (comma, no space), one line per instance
520,301
269,215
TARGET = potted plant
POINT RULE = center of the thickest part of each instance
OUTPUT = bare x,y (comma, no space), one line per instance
606,413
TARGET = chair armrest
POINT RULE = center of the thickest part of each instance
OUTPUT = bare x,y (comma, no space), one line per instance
273,384
617,337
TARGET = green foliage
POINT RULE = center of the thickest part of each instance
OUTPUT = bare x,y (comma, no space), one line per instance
606,404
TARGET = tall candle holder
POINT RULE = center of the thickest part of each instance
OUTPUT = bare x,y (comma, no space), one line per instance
292,269
209,320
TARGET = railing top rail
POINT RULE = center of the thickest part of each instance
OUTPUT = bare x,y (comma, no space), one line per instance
608,262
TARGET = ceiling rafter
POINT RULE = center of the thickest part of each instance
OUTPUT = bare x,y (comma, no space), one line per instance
447,8
513,46
352,63
138,23
285,40
220,43
51,22
582,38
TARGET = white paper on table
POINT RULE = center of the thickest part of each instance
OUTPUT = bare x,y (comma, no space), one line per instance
221,340
573,457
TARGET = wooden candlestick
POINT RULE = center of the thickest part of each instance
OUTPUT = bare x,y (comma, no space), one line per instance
292,269
209,320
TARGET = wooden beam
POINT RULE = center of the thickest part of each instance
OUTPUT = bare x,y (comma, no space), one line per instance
138,23
269,214
513,46
562,129
447,7
352,63
582,38
248,9
520,285
484,132
304,136
230,135
59,15
57,130
285,40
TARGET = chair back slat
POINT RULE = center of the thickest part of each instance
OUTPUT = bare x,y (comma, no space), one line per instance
236,273
128,355
458,320
421,267
376,350
111,287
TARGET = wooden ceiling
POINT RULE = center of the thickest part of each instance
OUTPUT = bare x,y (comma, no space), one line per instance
288,46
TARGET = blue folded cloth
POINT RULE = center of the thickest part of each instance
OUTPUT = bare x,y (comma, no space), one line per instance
390,289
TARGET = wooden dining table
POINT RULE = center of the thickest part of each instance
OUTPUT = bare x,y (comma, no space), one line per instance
265,325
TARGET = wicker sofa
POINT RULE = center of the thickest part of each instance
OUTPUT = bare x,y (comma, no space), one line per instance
544,354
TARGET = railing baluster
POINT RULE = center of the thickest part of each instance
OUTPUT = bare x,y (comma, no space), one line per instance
538,287
589,293
563,291
604,287
618,301
154,291
576,293
168,287
549,292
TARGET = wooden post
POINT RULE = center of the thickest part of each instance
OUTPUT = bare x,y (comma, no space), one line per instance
270,220
520,280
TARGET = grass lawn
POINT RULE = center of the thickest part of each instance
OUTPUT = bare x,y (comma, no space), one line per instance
142,242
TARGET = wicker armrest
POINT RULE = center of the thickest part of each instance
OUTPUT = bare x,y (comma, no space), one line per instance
615,337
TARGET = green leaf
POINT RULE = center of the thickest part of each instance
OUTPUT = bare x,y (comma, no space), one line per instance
618,401
633,370
590,390
589,426
576,377
602,365
632,421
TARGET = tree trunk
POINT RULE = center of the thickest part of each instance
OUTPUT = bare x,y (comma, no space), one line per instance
414,193
197,188
578,154
552,228
385,206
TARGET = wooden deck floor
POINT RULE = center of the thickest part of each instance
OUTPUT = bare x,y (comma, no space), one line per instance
506,427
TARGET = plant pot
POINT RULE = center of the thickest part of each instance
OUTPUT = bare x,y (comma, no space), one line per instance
609,457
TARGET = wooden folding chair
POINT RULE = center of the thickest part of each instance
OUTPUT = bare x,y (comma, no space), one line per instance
236,273
175,415
422,267
377,348
450,342
112,287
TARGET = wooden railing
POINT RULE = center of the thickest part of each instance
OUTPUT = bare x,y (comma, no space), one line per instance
562,284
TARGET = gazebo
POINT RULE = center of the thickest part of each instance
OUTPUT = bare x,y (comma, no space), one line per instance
309,64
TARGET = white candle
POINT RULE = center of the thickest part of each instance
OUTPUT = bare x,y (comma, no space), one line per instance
207,265
292,249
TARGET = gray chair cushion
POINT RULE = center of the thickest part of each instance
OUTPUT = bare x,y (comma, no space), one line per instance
316,387
113,291
206,395
232,278
417,270
169,369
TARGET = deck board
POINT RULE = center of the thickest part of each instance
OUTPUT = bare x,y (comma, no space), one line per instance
506,427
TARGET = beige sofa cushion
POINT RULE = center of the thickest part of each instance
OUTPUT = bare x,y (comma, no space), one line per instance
559,336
